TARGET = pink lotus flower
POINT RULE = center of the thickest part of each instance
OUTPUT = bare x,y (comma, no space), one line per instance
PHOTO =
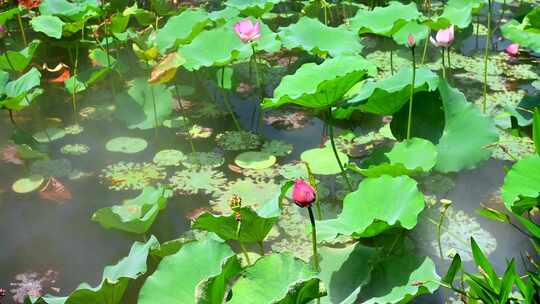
9,154
512,49
303,193
410,40
444,37
247,31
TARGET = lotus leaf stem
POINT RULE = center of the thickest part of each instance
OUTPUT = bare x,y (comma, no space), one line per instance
261,247
184,112
409,121
226,100
448,61
314,239
391,62
242,247
486,52
21,28
443,65
333,144
426,43
439,227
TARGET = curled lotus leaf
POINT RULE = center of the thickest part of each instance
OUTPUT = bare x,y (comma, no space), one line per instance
181,29
28,184
384,20
320,85
129,145
255,160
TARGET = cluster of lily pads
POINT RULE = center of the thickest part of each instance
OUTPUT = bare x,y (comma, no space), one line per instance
385,84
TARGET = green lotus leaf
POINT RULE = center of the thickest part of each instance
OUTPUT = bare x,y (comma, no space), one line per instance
199,52
19,93
66,8
387,96
415,154
19,60
197,273
255,160
181,29
328,40
169,157
48,25
383,202
134,215
522,180
136,105
28,184
526,33
320,86
127,145
456,12
277,147
204,160
296,282
466,133
410,276
524,110
382,169
100,57
384,20
223,15
323,161
114,282
344,271
8,14
252,7
254,228
49,135
418,31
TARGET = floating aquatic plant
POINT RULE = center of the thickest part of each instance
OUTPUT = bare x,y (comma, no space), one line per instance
238,140
51,167
127,145
75,149
254,194
169,157
255,160
203,159
195,180
277,148
132,176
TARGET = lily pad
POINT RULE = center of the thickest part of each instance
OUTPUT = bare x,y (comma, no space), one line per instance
128,145
296,283
320,86
328,40
134,215
28,184
255,160
383,202
238,140
169,158
277,148
522,180
197,273
323,161
49,135
204,159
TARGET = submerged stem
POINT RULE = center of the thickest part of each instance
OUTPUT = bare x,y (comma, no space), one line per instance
227,102
409,122
486,52
314,239
331,133
184,112
21,28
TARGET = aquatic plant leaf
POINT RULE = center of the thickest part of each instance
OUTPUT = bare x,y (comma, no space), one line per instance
526,33
387,96
49,25
320,86
8,14
66,8
344,271
136,105
238,140
49,135
466,133
181,29
410,276
132,176
522,180
415,154
333,41
197,273
198,54
381,169
254,228
169,157
28,184
198,179
19,59
127,145
255,160
22,91
418,31
254,8
455,12
99,57
134,215
114,280
383,21
536,130
323,161
165,70
277,147
383,202
296,283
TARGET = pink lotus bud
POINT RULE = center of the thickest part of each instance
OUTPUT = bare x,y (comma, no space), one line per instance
410,40
247,31
303,193
444,37
512,49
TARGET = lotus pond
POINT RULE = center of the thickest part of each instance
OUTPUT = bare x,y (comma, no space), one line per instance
269,151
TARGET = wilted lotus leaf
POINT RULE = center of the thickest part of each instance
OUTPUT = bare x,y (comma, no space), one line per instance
127,145
203,159
169,158
28,184
165,70
9,154
55,191
49,135
323,161
255,160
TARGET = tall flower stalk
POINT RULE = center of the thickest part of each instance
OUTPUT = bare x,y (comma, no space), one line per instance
411,43
334,149
444,39
235,203
303,196
486,53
